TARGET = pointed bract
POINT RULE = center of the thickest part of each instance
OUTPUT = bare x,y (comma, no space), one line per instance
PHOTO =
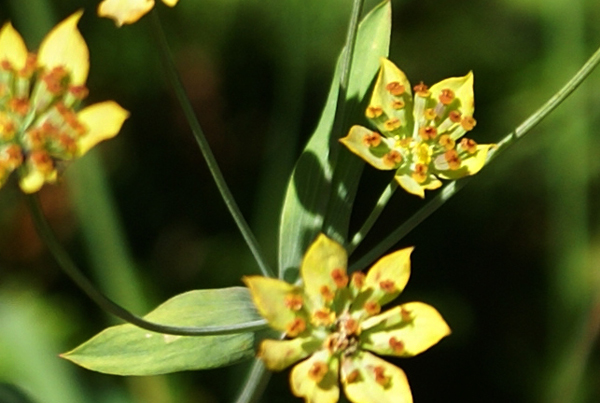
322,258
378,381
128,11
417,325
12,47
314,387
103,121
65,47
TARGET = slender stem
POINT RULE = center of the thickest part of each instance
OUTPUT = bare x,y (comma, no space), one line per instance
453,187
375,213
68,266
255,383
188,111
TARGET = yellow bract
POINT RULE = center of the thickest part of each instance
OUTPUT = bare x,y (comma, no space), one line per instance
39,122
418,129
12,47
65,47
103,120
341,326
128,11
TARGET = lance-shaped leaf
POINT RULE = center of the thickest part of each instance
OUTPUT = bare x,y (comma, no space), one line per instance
309,193
129,350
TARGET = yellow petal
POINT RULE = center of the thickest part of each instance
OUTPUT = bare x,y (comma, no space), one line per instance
377,381
170,3
469,165
410,185
64,46
269,296
463,91
12,47
355,141
413,187
417,326
322,258
389,275
127,11
279,354
103,121
384,99
303,385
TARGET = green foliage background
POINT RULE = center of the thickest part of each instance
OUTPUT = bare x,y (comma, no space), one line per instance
512,262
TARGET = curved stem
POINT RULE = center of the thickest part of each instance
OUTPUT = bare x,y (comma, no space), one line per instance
215,171
453,187
375,213
68,266
255,383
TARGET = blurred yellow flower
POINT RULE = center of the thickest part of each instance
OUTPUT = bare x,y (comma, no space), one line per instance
333,326
419,136
128,11
39,94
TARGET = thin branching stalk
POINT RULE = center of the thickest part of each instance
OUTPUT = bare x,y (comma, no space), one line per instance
256,381
70,268
188,111
453,187
373,216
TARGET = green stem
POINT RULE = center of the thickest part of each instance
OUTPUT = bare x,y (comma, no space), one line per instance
68,266
453,187
188,111
375,213
255,382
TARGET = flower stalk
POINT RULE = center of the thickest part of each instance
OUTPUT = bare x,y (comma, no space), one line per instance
70,269
211,162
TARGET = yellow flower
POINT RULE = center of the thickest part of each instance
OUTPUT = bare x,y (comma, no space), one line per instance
128,11
420,134
39,95
333,325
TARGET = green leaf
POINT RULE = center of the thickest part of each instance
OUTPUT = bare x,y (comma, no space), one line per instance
129,350
370,47
310,201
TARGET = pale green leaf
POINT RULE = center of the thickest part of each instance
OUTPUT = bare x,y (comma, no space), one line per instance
308,201
129,350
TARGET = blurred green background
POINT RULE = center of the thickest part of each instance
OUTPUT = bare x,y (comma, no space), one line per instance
512,262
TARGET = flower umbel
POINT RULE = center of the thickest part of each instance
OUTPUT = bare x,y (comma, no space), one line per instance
333,326
39,95
419,135
128,11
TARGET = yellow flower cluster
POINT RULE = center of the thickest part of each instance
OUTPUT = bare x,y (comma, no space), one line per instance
335,327
419,135
39,95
